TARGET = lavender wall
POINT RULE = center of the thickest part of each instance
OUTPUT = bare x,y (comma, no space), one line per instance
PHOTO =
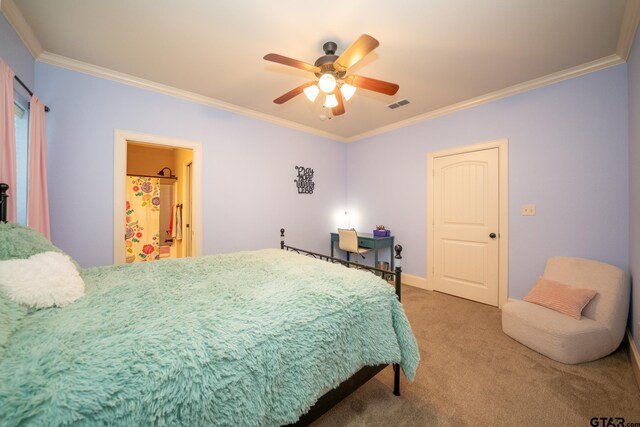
568,147
15,54
634,185
247,177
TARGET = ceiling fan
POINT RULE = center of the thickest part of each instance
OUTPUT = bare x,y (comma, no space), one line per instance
331,71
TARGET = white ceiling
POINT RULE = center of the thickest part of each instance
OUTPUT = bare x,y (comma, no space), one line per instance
444,54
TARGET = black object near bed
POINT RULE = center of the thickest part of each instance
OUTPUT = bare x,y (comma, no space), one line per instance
333,396
3,201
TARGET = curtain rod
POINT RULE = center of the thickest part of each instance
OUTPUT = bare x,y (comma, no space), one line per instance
46,109
153,176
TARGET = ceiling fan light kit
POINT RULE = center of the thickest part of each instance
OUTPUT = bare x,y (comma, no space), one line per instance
331,71
347,91
327,83
311,92
330,101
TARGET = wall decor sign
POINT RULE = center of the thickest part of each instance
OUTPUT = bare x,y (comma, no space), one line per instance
304,182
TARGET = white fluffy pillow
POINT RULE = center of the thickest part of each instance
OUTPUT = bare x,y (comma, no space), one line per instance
43,280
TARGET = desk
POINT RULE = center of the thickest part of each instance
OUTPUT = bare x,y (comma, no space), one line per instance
367,240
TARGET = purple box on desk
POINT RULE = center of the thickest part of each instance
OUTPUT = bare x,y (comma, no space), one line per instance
381,233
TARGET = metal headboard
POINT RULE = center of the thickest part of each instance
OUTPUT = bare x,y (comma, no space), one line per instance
393,276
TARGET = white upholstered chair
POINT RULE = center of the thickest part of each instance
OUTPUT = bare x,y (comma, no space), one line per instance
348,241
563,338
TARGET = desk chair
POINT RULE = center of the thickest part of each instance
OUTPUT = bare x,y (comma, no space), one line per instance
348,242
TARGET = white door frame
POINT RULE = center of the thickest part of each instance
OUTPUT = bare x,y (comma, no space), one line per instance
119,185
503,211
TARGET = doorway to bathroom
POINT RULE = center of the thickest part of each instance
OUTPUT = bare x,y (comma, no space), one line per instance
156,198
157,208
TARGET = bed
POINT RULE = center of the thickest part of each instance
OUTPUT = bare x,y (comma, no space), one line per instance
266,337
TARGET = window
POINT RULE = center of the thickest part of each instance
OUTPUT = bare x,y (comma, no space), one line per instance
21,120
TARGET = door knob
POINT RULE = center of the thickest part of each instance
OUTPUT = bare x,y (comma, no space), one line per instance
492,235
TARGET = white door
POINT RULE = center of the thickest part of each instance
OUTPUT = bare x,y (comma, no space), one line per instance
465,224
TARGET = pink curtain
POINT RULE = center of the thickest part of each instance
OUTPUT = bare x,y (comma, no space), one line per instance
8,139
37,195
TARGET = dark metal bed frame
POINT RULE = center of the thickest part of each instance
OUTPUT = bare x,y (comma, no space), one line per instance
333,397
3,202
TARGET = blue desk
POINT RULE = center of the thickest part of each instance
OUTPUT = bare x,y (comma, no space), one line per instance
367,240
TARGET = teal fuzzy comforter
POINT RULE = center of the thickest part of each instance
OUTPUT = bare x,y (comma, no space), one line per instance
249,338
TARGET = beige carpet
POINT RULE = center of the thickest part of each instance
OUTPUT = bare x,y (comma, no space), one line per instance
472,374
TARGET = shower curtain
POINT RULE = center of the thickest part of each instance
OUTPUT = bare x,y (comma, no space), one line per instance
142,238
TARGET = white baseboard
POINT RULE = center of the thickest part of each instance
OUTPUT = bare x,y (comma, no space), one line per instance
415,281
634,356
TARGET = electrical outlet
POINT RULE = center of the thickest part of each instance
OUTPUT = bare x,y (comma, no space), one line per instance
528,210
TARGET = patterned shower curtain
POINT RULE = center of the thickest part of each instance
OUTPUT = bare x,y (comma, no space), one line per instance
142,238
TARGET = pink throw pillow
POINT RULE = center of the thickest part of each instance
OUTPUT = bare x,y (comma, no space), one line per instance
564,299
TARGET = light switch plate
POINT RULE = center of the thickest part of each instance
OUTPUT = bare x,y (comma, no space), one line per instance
528,210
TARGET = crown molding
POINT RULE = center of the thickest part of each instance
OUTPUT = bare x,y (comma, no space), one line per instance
17,21
589,67
630,22
105,73
94,70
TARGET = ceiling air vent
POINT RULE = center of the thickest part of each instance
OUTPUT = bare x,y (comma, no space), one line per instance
398,104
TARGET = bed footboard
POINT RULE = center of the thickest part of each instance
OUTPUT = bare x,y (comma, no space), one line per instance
335,396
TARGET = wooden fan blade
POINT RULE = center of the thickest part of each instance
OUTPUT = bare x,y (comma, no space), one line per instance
339,109
356,52
292,93
372,84
274,57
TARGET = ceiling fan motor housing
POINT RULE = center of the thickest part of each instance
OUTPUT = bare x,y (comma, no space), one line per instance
325,62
